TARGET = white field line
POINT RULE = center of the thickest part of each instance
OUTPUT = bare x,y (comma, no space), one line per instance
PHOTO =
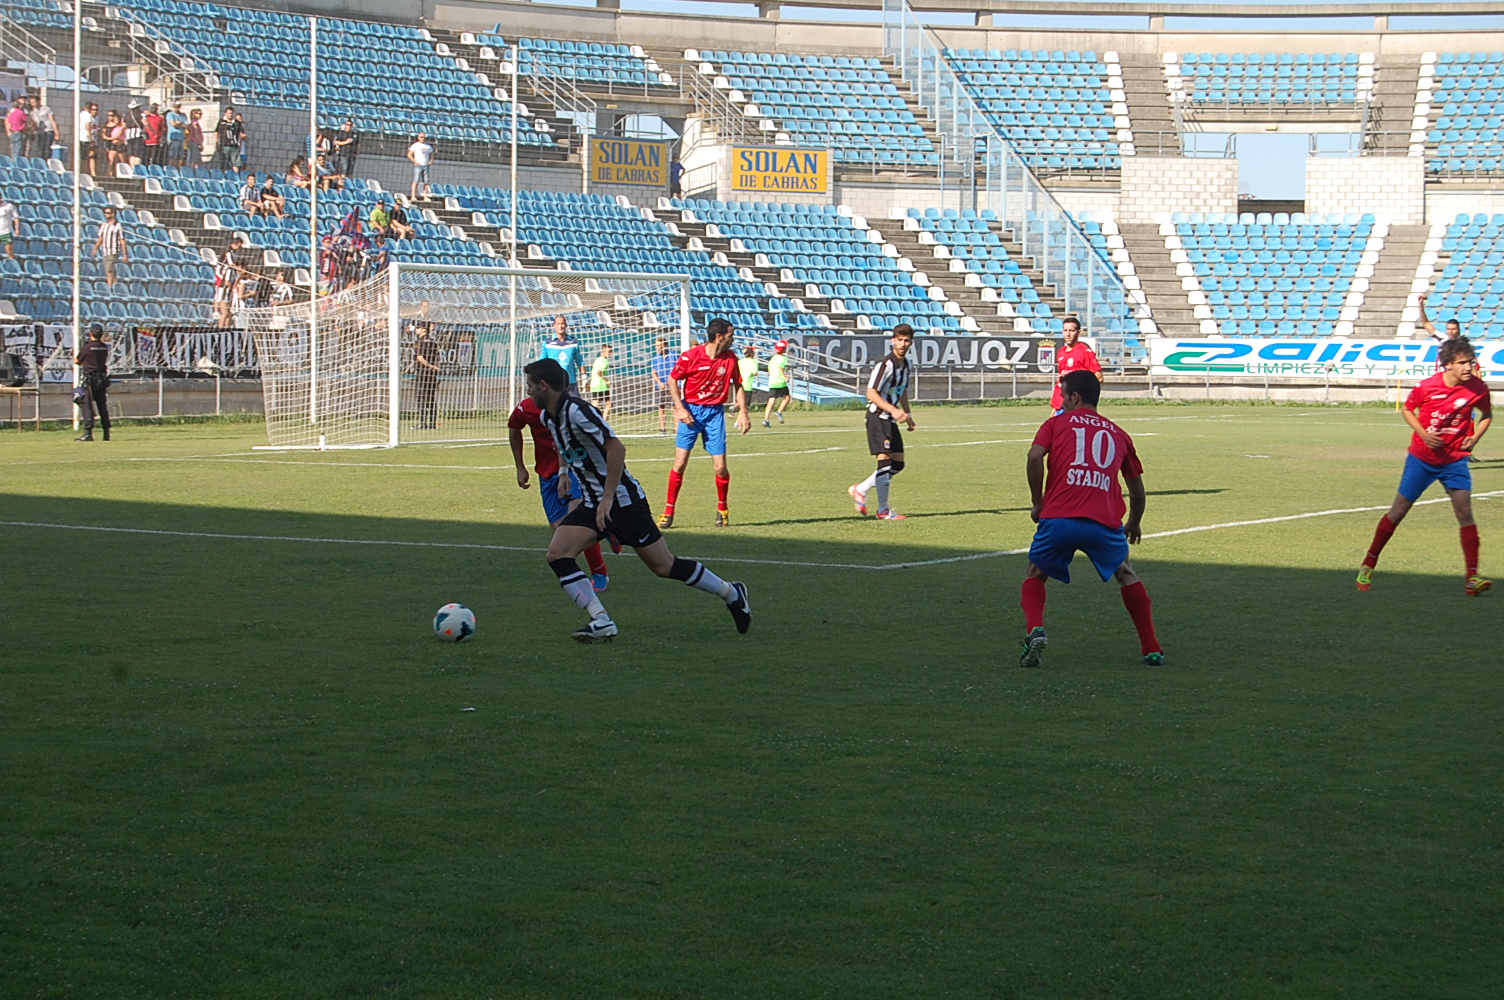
720,559
456,468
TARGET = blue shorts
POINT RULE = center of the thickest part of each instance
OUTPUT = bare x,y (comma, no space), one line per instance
710,421
554,508
1419,475
1058,539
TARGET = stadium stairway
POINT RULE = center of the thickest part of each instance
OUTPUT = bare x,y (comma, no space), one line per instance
1149,110
1164,290
1392,107
927,258
1390,288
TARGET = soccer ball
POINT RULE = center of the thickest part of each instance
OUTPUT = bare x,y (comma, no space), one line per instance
454,623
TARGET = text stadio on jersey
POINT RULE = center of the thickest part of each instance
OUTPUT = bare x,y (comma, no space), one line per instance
708,380
1446,411
1080,358
1085,453
545,456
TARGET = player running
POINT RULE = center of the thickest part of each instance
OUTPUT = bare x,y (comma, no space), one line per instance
748,367
558,493
778,382
1440,412
887,404
612,504
1073,357
709,372
1080,509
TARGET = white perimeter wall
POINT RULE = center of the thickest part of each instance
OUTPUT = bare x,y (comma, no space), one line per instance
1394,186
1153,185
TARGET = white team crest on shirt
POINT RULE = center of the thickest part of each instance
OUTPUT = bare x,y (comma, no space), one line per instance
1457,404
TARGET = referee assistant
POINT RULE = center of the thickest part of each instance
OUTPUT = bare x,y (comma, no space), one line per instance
94,360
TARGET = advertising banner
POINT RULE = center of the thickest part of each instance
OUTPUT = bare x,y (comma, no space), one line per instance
635,162
1325,359
1023,353
780,170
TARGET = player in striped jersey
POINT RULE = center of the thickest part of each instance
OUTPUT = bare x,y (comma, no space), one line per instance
887,404
611,503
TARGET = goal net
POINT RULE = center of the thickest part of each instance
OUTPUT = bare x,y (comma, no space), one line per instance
349,371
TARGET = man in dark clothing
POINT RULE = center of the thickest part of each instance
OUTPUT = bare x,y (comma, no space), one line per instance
227,149
346,148
94,360
426,368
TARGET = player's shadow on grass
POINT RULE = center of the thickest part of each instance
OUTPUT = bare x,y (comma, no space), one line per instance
1181,493
915,516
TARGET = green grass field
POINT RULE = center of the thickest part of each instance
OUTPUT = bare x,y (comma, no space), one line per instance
241,767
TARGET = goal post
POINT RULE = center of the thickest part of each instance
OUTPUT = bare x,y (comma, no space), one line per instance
353,377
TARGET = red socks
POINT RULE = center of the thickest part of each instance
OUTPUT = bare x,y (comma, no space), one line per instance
722,486
596,560
1032,601
1470,548
1381,538
675,481
1136,600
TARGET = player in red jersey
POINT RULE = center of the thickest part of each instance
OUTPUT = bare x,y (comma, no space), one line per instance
1073,357
1081,509
709,373
556,491
1440,412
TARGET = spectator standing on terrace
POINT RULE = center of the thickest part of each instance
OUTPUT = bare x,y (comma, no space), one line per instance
400,228
675,178
420,153
114,142
88,133
17,121
242,144
250,196
94,360
272,201
346,148
177,135
281,290
1453,328
111,247
227,141
135,133
154,129
194,140
44,129
10,226
227,276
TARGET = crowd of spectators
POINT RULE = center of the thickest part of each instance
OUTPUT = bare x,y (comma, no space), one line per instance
146,134
31,126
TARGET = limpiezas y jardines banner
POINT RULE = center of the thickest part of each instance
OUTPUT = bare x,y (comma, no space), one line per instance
1306,357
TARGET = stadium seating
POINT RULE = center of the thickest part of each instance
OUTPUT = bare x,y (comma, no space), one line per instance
1469,287
595,232
1287,276
1253,78
262,56
164,282
1468,99
1055,108
44,14
587,64
849,104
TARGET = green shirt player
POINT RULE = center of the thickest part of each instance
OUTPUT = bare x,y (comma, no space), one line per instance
600,382
778,382
748,367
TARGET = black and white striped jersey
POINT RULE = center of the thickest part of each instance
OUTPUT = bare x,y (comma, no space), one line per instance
580,435
890,377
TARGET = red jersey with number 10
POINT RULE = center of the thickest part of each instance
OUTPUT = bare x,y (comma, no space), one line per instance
1085,452
545,455
1446,411
708,380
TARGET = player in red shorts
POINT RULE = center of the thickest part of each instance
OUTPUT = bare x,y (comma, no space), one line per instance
557,492
1440,412
710,373
1073,357
1081,510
